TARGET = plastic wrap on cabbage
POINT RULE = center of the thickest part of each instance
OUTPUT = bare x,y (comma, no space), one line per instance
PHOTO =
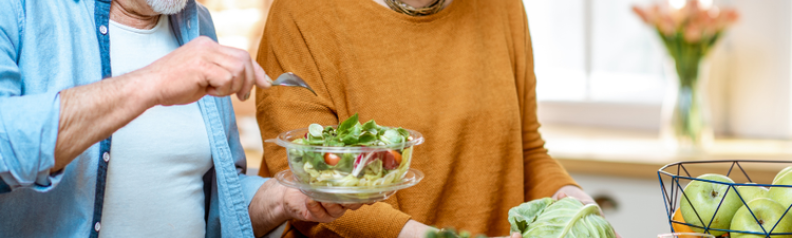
567,218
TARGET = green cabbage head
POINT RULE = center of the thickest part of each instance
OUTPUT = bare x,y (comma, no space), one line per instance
565,218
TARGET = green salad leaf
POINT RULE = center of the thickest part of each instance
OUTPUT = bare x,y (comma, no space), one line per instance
315,159
351,133
565,218
366,138
349,123
370,125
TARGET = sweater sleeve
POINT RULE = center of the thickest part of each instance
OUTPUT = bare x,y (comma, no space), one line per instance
279,109
543,175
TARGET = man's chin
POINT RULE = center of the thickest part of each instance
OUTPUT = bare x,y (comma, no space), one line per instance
167,7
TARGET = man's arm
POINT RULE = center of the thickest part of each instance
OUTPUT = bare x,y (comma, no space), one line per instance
93,112
87,114
192,71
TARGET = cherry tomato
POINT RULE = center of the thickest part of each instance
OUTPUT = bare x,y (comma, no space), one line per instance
390,159
396,156
331,159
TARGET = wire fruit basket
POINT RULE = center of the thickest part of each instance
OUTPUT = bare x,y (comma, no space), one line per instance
700,196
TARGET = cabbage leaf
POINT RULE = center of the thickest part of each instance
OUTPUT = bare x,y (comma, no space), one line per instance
567,218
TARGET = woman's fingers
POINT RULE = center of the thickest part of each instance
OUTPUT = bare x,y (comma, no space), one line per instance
560,195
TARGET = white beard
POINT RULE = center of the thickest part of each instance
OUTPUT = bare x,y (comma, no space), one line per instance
167,7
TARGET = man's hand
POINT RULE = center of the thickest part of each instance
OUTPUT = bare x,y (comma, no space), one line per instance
274,204
298,206
201,67
91,113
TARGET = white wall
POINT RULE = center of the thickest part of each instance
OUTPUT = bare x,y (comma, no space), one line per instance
758,91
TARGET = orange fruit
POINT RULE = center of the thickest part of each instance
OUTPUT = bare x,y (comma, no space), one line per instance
680,227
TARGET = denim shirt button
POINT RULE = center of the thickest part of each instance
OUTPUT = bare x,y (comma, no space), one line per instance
188,24
106,156
103,29
97,226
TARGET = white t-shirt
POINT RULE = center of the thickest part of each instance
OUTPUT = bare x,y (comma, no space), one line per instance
157,161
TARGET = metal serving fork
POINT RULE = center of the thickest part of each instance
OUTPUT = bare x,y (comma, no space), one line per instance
292,80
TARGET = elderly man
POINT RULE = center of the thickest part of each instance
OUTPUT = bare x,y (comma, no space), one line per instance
105,129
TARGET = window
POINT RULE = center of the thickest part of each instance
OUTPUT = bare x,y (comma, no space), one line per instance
598,65
594,51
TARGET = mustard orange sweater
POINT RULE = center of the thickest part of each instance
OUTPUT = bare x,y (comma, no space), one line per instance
463,77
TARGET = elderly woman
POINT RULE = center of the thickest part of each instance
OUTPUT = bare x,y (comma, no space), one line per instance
460,72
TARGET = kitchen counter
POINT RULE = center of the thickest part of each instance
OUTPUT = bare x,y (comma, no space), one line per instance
637,154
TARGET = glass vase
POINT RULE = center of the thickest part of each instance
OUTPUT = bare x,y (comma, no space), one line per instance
686,126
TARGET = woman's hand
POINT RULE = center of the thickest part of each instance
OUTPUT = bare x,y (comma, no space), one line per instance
275,204
577,193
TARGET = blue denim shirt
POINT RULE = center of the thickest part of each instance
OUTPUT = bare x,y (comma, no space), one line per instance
49,46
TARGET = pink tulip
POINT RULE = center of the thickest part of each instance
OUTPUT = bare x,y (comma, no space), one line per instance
731,16
666,25
726,18
692,33
641,13
693,21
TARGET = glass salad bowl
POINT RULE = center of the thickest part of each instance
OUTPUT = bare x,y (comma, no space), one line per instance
334,168
345,195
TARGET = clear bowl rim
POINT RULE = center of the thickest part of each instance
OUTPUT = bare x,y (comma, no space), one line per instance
412,177
282,141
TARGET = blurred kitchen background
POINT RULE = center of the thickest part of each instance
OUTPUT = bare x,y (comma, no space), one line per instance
601,83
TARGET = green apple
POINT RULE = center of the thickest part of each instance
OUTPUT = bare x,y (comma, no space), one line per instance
782,195
779,174
768,213
705,197
750,193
